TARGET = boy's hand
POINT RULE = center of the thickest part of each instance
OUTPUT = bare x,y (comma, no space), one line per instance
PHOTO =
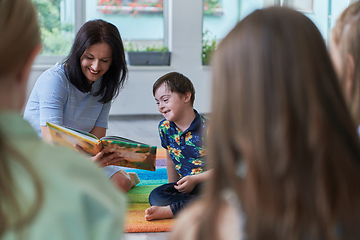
186,184
100,159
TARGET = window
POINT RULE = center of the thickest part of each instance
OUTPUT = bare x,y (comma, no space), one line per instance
303,6
140,22
300,5
322,12
219,17
56,18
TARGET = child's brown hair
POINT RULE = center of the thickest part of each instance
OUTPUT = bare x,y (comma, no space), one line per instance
176,82
287,121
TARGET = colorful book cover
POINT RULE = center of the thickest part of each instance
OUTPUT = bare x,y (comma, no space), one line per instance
136,155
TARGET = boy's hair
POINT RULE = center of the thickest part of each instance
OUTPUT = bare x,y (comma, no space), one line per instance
346,36
176,82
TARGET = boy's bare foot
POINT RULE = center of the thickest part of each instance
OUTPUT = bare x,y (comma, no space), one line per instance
158,212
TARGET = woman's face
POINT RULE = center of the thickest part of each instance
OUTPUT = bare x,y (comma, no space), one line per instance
95,61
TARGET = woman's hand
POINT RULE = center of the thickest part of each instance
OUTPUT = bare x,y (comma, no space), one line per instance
100,159
186,184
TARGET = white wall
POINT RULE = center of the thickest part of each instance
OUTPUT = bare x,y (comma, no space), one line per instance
185,45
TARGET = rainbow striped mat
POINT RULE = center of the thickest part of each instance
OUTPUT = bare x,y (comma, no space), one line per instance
138,198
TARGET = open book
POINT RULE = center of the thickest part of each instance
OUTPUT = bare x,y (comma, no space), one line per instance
135,154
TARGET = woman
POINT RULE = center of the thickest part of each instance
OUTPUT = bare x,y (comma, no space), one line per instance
78,93
46,192
282,144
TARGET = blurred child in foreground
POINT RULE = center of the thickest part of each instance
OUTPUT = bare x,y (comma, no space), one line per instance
286,158
46,192
345,54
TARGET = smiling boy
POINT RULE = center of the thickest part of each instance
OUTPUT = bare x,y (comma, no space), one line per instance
181,133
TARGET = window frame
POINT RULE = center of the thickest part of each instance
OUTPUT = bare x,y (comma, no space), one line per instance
43,62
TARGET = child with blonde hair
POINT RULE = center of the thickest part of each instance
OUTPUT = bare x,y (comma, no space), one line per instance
46,192
345,54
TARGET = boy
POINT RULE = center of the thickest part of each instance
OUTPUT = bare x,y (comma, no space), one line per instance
181,133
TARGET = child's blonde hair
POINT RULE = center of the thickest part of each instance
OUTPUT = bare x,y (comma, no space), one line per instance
346,36
19,36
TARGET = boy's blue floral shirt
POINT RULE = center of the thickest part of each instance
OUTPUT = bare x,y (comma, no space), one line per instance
185,148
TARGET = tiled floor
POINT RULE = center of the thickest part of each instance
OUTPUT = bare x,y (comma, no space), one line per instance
146,236
141,128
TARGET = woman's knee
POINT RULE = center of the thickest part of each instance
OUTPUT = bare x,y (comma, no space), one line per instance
122,181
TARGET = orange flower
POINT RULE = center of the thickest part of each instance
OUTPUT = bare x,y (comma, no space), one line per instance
197,162
196,170
188,136
177,152
177,139
202,152
166,124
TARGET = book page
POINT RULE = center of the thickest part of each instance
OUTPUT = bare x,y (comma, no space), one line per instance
88,136
134,154
121,139
69,137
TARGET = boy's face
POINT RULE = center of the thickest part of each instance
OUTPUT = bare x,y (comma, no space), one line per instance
170,104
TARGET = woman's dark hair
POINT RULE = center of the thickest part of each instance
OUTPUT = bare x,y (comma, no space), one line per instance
176,82
93,32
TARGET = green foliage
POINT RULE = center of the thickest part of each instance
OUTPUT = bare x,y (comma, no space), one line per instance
209,45
129,47
160,48
55,42
212,7
56,36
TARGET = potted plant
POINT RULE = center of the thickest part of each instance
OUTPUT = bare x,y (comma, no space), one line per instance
149,56
209,45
